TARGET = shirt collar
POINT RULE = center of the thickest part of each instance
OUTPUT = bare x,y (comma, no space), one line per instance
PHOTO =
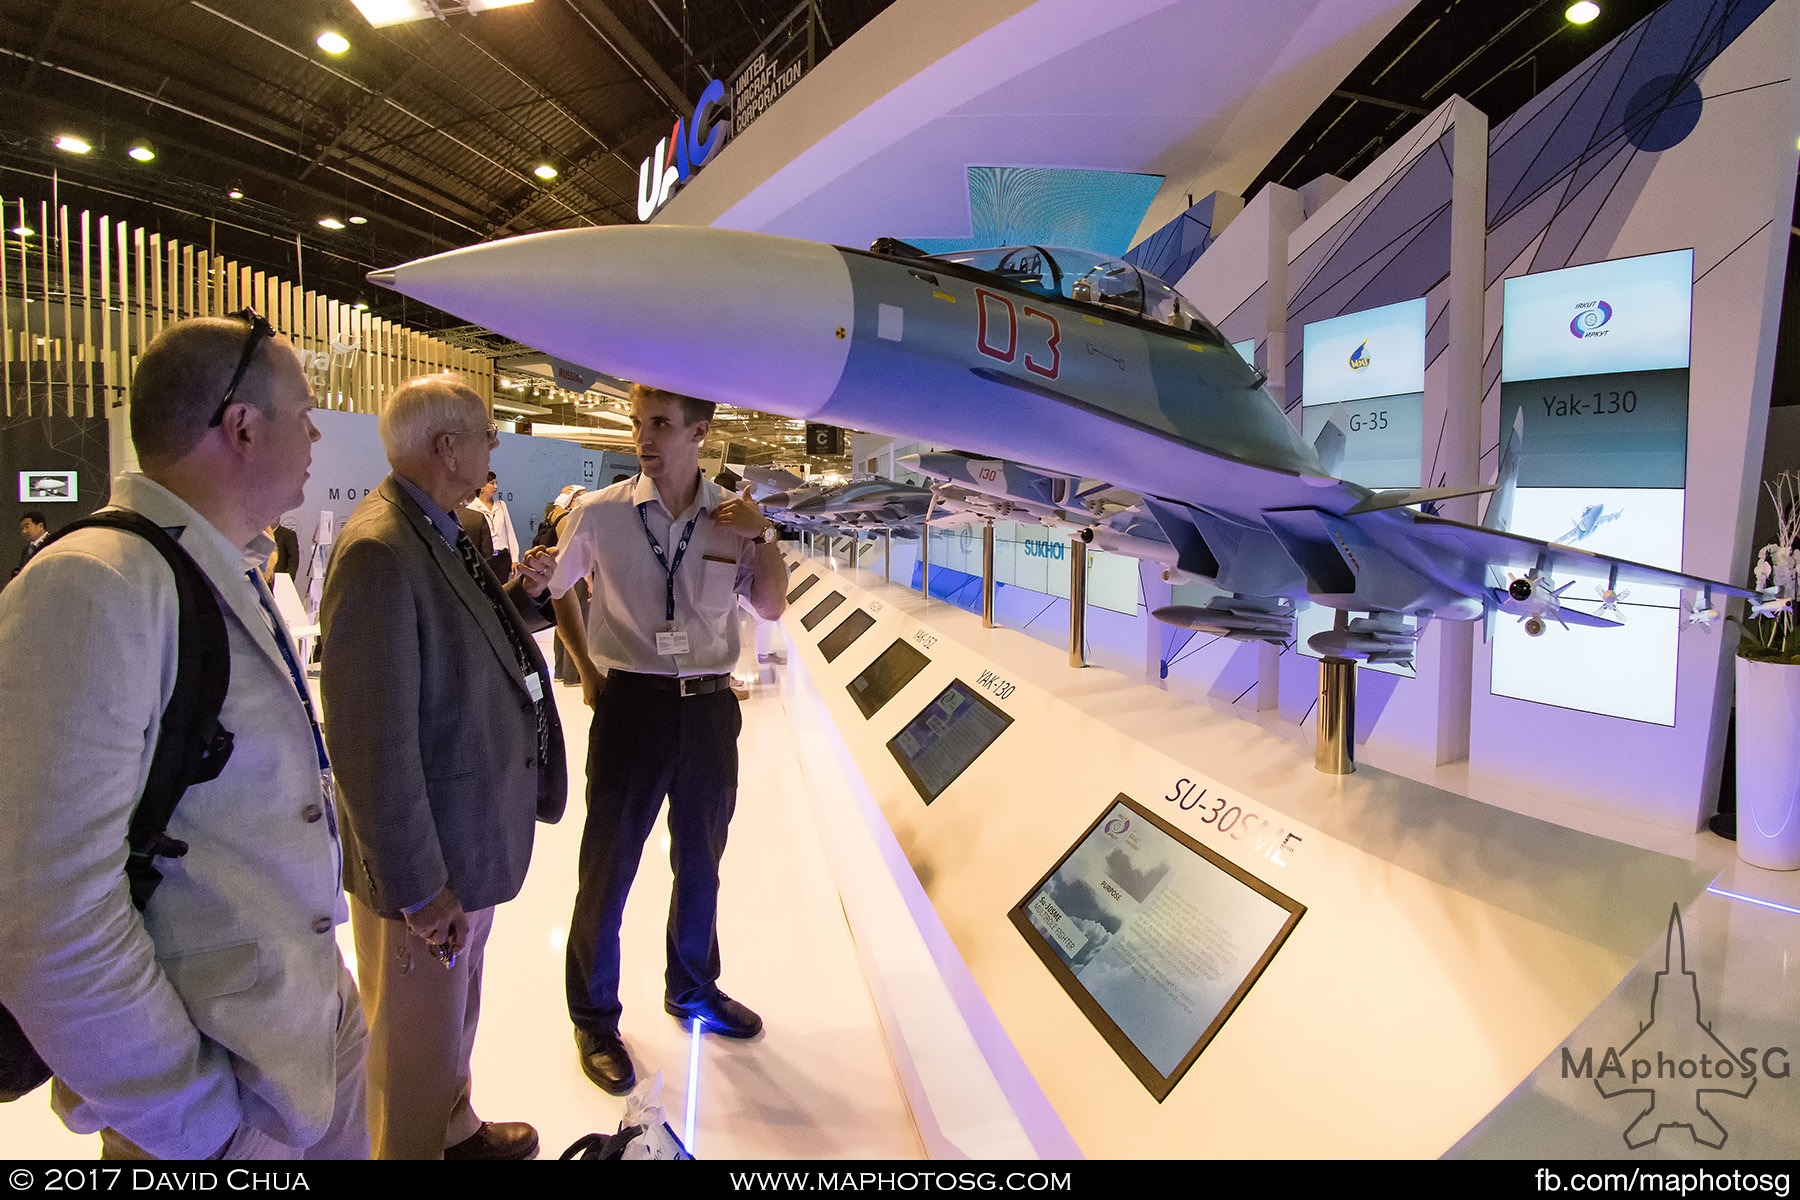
644,490
198,536
448,527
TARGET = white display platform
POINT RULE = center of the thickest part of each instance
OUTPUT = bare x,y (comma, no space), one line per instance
1448,948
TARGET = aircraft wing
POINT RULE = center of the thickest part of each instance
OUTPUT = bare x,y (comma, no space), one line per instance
1518,553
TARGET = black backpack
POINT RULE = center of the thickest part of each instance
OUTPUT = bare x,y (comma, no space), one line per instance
191,747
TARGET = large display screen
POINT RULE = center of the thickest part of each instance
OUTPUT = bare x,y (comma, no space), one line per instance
1156,938
950,733
799,589
1594,376
882,680
821,610
848,630
1365,373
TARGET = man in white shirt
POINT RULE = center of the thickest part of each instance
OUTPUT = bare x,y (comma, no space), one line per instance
669,553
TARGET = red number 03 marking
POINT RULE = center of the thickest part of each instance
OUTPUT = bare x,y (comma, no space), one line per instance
999,334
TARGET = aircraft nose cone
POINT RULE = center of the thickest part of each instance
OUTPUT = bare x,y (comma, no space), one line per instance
733,317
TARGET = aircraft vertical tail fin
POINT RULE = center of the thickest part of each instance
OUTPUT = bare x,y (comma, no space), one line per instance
1499,510
1329,446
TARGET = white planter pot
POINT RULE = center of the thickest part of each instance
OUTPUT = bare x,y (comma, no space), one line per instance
1768,764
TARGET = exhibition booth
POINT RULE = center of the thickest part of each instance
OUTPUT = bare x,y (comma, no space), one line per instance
1021,871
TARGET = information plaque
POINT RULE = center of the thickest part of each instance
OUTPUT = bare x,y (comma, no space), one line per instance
821,610
839,639
1156,938
882,679
799,589
950,733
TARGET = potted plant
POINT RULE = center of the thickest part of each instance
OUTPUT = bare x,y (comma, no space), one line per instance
1768,696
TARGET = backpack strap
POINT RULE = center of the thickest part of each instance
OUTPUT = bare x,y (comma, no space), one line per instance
191,746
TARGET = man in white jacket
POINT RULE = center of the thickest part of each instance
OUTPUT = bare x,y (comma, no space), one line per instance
219,1022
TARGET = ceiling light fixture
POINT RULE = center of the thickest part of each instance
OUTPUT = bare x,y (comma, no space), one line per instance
73,144
331,222
359,220
235,194
141,152
544,171
332,42
1581,12
361,305
24,231
393,12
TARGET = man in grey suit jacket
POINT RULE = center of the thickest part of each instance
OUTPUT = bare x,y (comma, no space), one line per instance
440,721
220,1021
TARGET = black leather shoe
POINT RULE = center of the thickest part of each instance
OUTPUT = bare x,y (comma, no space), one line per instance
718,1014
605,1060
496,1141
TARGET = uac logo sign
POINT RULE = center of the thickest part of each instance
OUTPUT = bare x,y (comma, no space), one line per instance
687,148
1359,357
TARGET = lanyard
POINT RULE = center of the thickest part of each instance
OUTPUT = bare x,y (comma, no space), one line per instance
272,619
669,568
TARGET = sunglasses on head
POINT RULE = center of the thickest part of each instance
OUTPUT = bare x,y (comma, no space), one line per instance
259,329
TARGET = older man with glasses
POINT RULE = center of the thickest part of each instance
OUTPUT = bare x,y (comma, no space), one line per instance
218,1021
439,718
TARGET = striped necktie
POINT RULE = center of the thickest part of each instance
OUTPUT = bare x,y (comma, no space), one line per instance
490,587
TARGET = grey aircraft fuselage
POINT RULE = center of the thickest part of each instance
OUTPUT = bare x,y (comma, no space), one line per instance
992,362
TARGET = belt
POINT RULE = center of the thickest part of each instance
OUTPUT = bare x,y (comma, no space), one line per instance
685,685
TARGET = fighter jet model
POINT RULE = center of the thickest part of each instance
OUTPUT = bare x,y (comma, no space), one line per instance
1591,518
861,506
1081,364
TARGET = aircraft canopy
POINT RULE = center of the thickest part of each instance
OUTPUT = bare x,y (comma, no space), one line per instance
1091,279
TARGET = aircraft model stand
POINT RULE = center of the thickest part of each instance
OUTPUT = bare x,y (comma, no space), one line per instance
987,574
1335,753
887,555
1078,600
925,564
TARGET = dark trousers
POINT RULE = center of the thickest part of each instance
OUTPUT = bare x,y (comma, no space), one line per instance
645,745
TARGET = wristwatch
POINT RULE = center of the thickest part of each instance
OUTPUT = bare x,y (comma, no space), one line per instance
769,534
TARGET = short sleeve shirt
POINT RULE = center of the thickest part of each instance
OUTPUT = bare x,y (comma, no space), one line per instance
604,540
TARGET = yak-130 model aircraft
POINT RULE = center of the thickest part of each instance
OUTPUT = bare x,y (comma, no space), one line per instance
1080,364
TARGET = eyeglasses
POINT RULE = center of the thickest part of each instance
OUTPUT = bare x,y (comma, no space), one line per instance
259,329
491,430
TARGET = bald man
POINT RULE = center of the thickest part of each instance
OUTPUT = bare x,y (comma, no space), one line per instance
438,714
220,1021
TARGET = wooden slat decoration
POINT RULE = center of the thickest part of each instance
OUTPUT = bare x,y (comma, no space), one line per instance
121,265
87,313
190,285
6,344
66,344
142,266
43,298
108,364
166,282
160,263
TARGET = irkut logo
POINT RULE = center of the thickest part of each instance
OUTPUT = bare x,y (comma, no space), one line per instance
687,148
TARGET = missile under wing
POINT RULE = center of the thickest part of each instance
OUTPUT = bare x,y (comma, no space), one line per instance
1080,364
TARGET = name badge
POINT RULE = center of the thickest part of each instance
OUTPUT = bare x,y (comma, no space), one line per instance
674,641
534,687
